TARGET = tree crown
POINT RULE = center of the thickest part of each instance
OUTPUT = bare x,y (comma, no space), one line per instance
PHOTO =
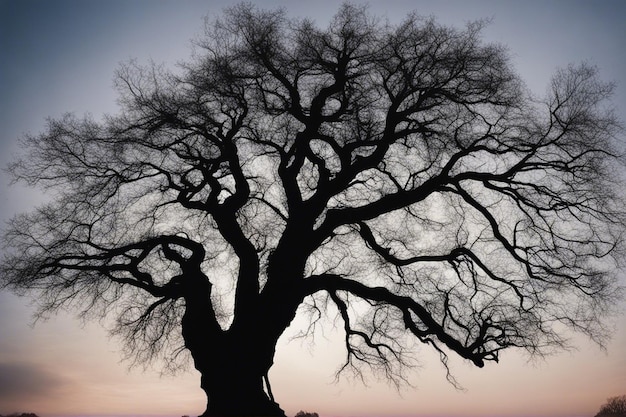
400,173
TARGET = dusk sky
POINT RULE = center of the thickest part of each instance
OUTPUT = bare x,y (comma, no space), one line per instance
60,56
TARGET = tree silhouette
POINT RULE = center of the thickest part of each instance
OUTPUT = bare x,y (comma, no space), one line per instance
614,407
400,177
21,415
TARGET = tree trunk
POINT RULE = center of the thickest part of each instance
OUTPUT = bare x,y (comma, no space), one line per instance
232,372
236,395
232,364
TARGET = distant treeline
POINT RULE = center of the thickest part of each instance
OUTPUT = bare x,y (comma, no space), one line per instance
20,415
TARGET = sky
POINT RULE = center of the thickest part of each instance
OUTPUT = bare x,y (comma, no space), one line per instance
60,56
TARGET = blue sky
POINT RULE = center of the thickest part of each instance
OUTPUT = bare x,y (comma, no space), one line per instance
60,56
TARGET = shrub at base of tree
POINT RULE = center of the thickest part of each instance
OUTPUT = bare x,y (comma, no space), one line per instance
306,414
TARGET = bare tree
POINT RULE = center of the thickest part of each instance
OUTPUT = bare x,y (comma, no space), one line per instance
399,176
614,407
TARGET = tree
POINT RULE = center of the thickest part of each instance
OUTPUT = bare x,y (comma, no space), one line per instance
615,406
400,178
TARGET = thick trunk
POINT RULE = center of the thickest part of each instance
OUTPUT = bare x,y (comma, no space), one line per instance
232,364
236,395
233,372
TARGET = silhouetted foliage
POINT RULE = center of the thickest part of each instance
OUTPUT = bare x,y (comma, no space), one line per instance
398,177
21,415
614,407
306,414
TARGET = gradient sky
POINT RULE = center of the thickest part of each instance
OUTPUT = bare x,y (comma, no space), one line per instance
60,55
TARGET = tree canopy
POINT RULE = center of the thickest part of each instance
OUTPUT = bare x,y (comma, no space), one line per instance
400,176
